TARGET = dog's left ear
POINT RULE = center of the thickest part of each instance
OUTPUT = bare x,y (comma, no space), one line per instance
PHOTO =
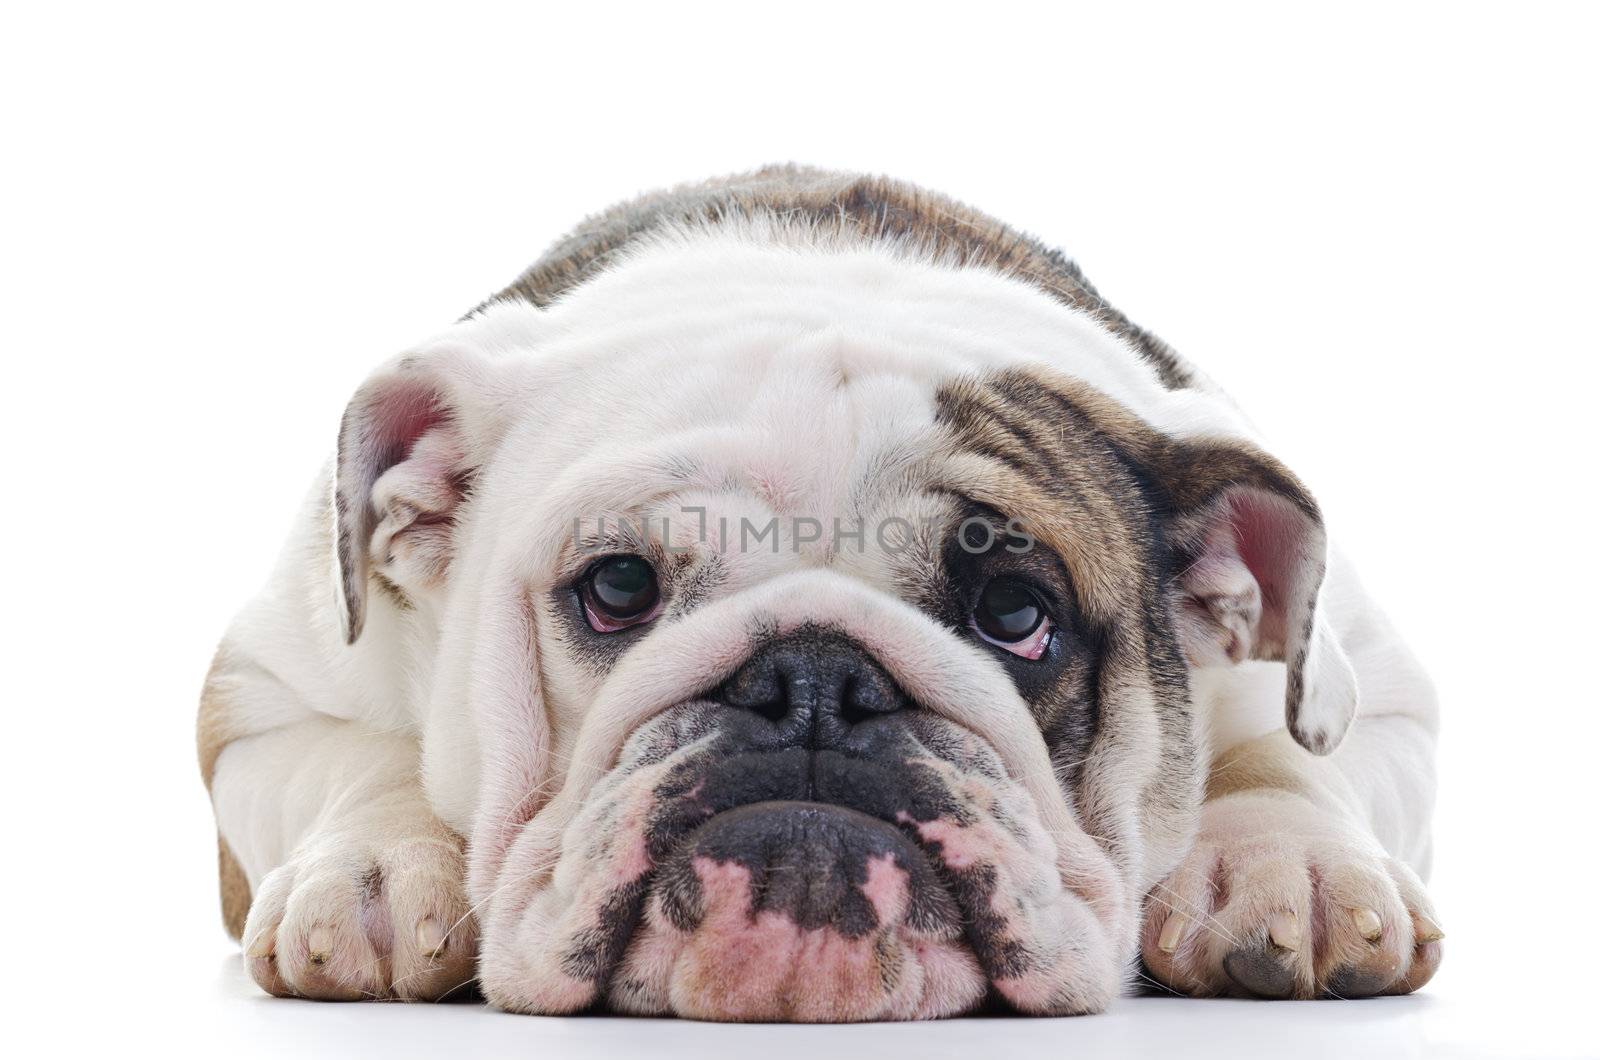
410,442
1252,552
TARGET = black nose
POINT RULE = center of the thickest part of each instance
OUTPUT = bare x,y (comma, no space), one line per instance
815,688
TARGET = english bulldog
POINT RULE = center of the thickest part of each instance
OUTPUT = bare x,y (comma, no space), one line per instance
800,596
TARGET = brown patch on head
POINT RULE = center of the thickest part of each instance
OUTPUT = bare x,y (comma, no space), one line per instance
1063,460
1075,470
1083,457
1133,512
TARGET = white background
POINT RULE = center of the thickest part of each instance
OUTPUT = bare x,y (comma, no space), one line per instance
1376,226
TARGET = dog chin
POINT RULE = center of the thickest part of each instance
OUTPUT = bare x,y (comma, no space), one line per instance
798,911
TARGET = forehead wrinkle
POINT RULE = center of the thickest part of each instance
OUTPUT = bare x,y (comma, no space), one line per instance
831,437
612,485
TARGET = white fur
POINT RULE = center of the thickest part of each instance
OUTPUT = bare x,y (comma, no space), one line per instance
703,359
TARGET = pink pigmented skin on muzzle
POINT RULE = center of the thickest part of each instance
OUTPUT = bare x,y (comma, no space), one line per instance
761,851
740,962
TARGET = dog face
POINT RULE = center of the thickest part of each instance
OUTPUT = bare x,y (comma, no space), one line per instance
815,630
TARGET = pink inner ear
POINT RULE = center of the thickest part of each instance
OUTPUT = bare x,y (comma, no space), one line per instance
401,413
1269,533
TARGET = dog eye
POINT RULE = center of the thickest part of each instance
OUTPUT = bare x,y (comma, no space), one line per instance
618,592
1010,615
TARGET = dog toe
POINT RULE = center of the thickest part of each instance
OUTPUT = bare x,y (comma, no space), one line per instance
1260,971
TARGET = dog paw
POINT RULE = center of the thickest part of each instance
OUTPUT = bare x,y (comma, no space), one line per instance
352,918
1280,899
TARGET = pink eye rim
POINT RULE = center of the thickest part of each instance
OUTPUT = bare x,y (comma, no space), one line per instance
619,592
602,624
1032,647
1010,613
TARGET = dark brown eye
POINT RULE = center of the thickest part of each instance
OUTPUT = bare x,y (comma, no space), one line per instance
620,591
1007,611
1010,615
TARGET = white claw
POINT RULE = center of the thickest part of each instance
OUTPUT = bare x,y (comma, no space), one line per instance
1284,929
261,945
1171,934
319,945
1427,930
1368,924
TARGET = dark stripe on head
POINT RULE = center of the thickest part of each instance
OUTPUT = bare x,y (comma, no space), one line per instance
847,204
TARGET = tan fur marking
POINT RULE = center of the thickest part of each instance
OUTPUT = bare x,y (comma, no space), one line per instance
214,731
235,891
1273,762
213,726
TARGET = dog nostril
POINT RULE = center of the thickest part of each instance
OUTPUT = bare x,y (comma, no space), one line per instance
854,708
758,689
866,697
771,709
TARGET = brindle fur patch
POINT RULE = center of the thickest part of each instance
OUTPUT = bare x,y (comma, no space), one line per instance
1086,478
872,208
1125,507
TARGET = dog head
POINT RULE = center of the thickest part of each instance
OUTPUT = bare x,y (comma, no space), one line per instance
814,629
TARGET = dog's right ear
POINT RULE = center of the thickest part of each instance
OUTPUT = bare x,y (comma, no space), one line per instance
411,440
